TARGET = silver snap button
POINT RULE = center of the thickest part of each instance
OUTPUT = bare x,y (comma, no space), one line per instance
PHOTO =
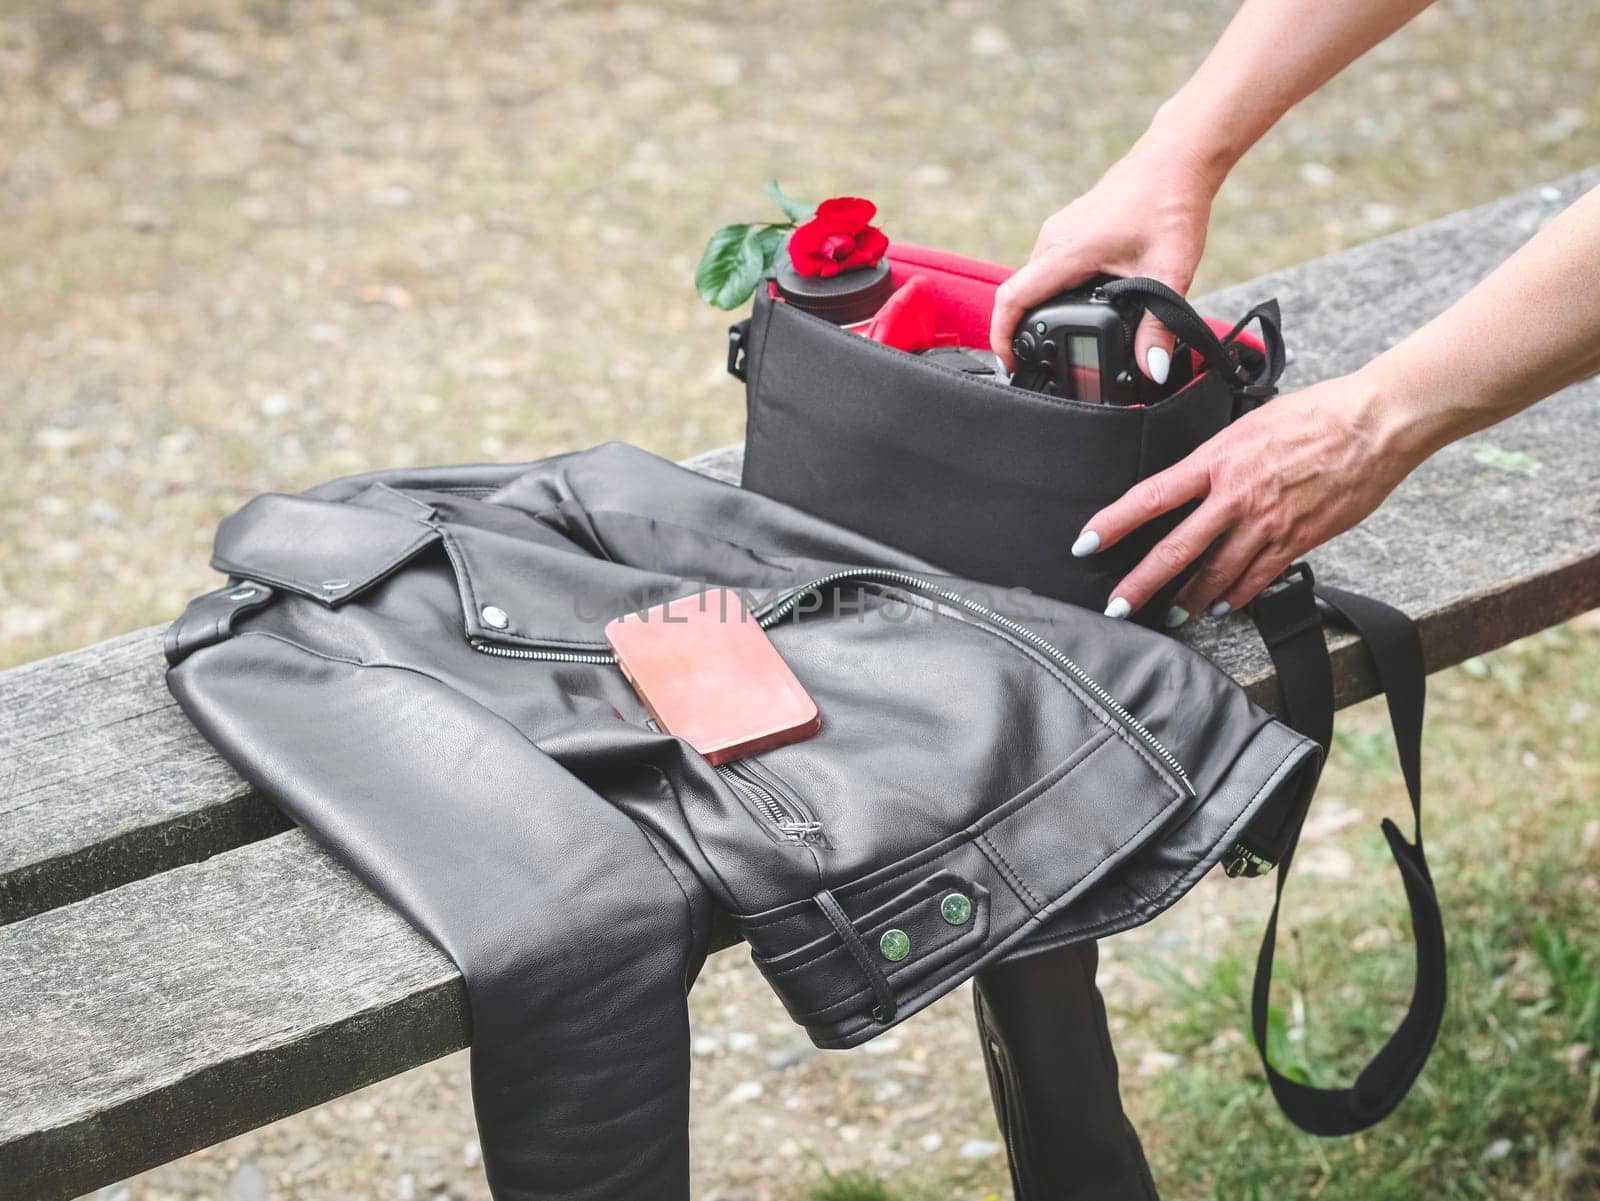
243,594
495,617
335,585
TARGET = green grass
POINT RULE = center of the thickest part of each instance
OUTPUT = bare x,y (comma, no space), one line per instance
1507,1105
853,1186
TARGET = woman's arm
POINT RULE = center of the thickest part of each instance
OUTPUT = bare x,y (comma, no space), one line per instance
1304,467
1148,214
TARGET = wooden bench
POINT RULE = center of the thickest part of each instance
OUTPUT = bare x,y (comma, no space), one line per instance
178,965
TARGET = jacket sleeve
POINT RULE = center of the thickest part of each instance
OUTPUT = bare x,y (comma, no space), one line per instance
576,939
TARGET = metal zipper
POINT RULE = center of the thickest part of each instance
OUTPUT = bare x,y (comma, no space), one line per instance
602,658
769,615
787,816
783,607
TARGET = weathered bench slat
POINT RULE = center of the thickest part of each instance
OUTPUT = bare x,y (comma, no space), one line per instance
157,1018
103,780
338,991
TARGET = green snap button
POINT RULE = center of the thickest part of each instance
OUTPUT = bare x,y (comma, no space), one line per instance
955,909
895,945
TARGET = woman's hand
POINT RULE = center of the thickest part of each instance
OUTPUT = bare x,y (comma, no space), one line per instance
1274,484
1146,216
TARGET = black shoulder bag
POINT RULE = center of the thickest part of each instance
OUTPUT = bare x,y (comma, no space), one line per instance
995,483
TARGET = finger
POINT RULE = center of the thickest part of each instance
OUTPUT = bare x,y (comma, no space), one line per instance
1150,497
1219,572
1039,279
1167,558
1267,566
1153,342
1152,348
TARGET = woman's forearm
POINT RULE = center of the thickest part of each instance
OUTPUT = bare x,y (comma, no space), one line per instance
1149,212
1528,329
1273,54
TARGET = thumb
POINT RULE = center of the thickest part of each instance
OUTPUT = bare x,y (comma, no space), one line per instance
1152,348
1039,279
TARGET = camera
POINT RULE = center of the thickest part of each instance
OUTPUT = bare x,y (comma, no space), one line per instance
1079,346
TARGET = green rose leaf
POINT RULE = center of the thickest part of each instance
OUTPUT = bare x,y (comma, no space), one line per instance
732,265
792,209
770,240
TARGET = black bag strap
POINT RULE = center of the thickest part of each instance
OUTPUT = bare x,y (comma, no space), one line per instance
739,349
1292,628
1265,385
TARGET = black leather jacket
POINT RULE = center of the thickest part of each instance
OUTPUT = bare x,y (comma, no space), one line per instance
411,663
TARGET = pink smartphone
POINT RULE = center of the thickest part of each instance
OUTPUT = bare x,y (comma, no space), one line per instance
708,674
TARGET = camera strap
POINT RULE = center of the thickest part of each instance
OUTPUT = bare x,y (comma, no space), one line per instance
1178,315
1291,625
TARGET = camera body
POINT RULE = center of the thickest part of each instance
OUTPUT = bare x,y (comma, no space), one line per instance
1079,346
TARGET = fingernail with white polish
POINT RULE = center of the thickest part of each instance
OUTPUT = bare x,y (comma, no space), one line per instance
1176,616
1118,608
1221,607
1159,362
1088,542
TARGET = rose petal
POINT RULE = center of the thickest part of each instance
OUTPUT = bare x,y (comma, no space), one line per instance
872,244
853,212
839,247
805,248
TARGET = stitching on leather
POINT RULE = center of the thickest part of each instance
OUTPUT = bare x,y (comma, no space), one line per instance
322,654
1040,909
988,821
1040,916
1082,698
764,557
993,952
878,983
1007,872
690,944
832,949
829,948
224,564
1082,935
1179,886
951,843
463,574
688,825
405,496
1090,707
949,954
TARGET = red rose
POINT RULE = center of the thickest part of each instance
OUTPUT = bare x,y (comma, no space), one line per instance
838,238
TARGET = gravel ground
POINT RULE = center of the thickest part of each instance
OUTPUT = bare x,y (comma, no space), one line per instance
252,246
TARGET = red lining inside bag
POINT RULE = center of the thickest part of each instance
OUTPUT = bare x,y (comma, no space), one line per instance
963,292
